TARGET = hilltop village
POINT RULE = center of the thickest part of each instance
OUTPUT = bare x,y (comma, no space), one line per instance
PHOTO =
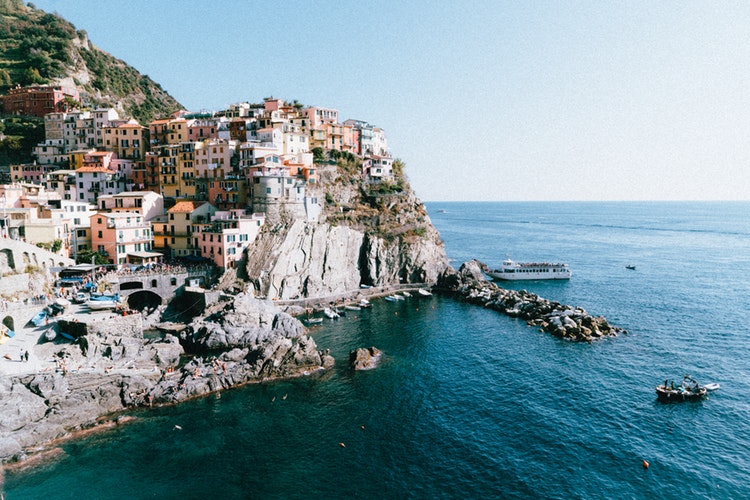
192,187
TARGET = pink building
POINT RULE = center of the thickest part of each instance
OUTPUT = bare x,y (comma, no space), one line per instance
228,235
117,236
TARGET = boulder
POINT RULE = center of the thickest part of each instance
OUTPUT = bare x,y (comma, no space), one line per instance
364,359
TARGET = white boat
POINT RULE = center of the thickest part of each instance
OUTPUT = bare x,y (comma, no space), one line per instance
406,294
103,302
712,386
364,303
330,313
314,321
517,271
352,308
424,293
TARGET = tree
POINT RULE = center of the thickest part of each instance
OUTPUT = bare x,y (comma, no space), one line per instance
318,154
84,257
31,76
5,80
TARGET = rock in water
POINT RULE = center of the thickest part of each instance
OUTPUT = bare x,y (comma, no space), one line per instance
364,359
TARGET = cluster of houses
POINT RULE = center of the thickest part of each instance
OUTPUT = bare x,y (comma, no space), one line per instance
192,186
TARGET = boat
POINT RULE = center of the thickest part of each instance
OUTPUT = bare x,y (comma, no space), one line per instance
517,271
364,303
406,294
391,298
630,266
102,302
424,293
314,321
330,313
39,318
688,390
352,308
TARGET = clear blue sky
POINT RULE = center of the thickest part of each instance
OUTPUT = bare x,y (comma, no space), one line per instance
482,100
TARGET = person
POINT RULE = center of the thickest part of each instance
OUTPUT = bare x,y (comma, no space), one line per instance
26,356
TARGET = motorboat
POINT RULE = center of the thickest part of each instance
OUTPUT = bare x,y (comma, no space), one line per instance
350,307
630,267
331,313
103,302
314,321
688,390
422,292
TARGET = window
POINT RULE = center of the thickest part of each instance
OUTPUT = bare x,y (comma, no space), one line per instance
99,234
187,216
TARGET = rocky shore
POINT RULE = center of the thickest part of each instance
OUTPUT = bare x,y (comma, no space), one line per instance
111,367
571,323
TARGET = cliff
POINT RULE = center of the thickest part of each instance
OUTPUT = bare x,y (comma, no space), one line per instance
376,234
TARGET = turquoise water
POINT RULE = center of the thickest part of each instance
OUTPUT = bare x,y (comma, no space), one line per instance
471,404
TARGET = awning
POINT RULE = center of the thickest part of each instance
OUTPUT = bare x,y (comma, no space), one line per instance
144,255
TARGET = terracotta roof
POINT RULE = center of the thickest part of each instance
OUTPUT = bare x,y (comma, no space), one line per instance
185,206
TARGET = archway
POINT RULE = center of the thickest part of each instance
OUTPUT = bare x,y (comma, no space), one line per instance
131,285
8,321
143,299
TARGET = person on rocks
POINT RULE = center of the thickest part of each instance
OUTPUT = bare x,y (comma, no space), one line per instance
26,356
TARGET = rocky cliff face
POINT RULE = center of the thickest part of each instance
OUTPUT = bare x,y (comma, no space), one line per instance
368,235
111,368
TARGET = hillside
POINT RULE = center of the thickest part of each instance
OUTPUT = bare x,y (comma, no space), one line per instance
39,48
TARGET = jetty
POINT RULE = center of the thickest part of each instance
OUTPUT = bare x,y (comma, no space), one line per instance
564,321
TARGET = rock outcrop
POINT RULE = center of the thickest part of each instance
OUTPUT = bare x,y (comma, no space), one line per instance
364,359
363,237
111,367
571,323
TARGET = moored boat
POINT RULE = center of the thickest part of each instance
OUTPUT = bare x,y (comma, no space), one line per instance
314,321
688,390
517,271
330,313
102,302
350,307
424,293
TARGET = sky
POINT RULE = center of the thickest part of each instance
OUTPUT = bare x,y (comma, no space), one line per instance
483,100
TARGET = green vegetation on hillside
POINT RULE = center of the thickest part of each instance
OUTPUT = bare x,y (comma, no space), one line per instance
21,134
38,48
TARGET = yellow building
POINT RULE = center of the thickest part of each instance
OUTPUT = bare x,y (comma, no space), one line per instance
175,233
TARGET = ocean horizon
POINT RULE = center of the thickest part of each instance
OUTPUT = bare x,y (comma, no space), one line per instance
470,403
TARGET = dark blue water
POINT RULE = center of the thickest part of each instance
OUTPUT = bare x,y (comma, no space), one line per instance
471,404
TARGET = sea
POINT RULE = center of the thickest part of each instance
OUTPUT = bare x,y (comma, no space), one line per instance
468,403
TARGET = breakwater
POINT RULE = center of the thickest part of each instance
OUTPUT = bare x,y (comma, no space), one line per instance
564,321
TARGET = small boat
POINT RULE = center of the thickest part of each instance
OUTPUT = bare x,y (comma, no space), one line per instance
630,266
712,386
352,308
330,313
406,294
424,293
39,318
365,287
314,321
62,302
364,303
392,298
518,271
688,390
4,330
102,302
